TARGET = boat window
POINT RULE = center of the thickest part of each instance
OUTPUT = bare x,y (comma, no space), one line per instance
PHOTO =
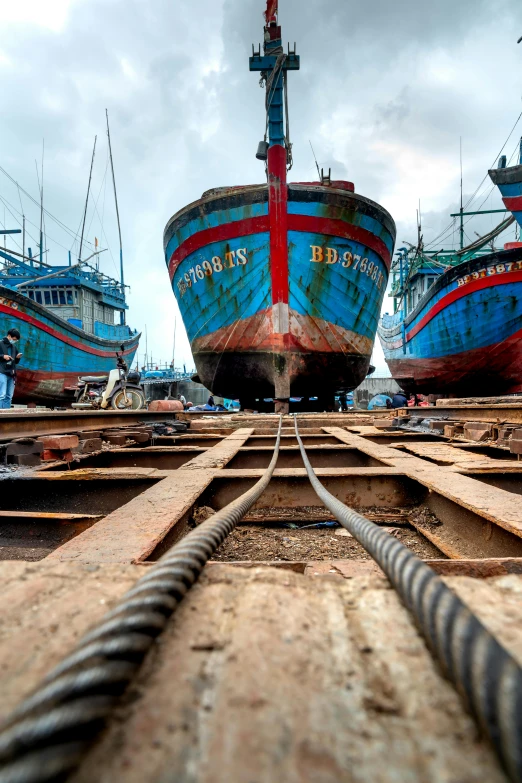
69,296
54,294
431,280
62,297
47,297
38,296
31,295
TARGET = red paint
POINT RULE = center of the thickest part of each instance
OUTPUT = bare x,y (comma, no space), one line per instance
28,381
239,228
271,11
459,293
496,369
278,214
307,335
338,228
512,245
513,203
262,224
55,333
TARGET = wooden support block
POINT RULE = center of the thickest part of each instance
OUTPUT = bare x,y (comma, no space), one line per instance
60,442
89,445
477,430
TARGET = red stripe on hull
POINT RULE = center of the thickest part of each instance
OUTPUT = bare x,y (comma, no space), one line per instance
278,213
338,228
513,203
459,293
45,386
492,370
58,335
258,225
239,228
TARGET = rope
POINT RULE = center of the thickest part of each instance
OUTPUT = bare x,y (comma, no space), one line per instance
485,674
47,735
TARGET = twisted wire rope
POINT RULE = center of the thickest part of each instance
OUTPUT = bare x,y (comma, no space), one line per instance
487,677
45,738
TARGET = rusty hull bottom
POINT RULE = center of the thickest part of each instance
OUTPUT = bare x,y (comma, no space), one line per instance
253,375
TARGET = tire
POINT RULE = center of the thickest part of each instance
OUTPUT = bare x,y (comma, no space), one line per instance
135,397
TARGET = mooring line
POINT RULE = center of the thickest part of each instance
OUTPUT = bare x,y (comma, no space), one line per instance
46,737
485,674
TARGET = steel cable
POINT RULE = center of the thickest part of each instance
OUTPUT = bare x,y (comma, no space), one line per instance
485,674
47,735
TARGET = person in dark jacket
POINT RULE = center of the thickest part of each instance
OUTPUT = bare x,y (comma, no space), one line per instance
399,400
9,358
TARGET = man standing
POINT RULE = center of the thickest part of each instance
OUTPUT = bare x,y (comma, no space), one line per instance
9,358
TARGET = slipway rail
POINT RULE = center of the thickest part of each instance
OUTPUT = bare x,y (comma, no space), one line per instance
48,734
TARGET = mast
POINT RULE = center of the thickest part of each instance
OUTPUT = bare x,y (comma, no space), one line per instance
273,65
41,205
122,281
461,205
87,200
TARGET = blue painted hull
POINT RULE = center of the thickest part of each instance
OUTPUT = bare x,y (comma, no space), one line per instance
465,335
339,250
55,352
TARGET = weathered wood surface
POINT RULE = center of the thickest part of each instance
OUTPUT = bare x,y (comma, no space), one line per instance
266,675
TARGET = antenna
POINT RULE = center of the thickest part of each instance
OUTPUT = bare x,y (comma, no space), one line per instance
316,163
40,188
122,281
87,200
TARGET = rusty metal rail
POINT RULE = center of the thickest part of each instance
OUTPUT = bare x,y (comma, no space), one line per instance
23,423
48,734
485,674
46,737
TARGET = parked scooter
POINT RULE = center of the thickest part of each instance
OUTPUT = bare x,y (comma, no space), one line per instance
120,390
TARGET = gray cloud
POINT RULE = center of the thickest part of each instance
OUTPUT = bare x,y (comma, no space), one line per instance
385,91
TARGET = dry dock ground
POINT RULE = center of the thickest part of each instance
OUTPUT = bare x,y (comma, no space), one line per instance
292,658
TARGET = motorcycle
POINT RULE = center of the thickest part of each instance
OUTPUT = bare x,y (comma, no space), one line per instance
120,390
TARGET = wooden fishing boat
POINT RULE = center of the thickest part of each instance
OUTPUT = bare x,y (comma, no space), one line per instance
71,318
457,326
280,285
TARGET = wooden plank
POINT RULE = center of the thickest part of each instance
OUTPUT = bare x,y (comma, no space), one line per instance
265,675
48,516
134,531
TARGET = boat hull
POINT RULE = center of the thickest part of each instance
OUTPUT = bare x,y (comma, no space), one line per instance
243,339
55,353
465,336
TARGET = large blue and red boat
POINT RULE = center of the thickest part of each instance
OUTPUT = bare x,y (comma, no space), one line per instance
71,317
457,326
280,285
67,329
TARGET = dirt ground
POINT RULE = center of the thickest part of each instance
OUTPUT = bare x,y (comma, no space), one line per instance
254,542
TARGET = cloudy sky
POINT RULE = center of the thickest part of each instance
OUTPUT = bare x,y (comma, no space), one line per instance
386,90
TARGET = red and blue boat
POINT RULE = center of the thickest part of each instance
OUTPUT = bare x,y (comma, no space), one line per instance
71,317
280,285
457,326
67,329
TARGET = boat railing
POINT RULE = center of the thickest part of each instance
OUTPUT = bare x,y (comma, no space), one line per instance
390,321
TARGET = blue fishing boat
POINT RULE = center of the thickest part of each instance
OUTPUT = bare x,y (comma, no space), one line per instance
457,325
71,319
280,285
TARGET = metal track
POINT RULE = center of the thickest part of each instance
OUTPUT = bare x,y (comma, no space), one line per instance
47,735
23,423
484,673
